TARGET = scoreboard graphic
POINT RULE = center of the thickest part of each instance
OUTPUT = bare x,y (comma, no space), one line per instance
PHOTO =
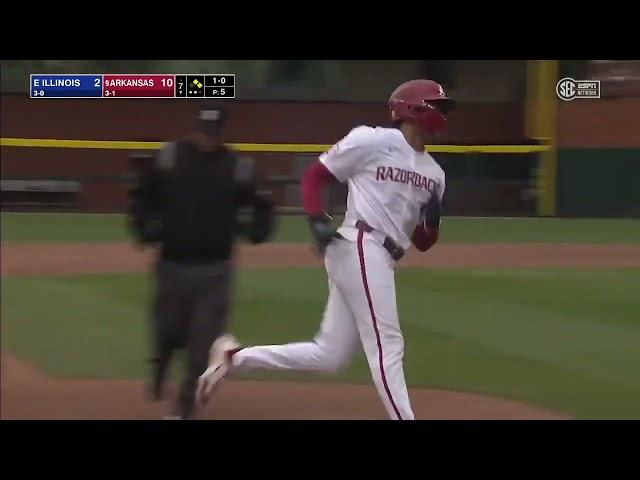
133,86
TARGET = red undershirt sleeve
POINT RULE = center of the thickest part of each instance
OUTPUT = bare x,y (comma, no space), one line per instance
314,181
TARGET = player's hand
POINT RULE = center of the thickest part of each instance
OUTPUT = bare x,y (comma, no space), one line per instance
322,231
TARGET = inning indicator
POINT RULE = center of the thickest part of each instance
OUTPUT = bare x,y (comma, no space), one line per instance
132,86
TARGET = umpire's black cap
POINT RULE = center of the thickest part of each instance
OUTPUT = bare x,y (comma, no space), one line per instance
211,118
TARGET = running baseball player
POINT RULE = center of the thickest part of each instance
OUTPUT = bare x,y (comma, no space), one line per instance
395,192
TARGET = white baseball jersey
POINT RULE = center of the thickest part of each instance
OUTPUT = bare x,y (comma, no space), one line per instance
388,181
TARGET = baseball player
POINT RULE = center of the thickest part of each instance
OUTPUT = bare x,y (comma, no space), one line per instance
394,197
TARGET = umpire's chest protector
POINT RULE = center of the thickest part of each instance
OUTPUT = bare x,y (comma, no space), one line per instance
199,191
206,178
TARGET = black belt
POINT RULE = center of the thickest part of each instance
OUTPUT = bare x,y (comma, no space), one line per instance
394,250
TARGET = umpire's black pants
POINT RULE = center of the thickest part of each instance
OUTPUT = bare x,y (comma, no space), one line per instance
190,313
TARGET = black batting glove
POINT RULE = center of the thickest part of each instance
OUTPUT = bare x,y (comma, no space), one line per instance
432,212
322,231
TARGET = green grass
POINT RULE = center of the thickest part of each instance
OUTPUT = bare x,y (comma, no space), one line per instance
563,339
51,227
20,227
540,230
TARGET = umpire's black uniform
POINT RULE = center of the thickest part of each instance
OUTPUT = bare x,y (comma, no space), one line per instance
187,200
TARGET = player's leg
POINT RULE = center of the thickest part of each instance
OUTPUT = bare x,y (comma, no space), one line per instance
331,349
370,288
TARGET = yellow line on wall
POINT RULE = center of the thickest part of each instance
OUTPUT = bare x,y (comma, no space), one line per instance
250,147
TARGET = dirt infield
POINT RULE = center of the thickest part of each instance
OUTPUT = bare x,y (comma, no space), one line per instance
28,394
74,258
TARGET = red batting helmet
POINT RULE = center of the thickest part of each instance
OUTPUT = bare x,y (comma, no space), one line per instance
422,102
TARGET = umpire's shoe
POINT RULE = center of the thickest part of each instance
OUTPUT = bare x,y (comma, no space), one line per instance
158,374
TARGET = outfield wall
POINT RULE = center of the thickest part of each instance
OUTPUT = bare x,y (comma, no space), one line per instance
100,171
603,182
598,160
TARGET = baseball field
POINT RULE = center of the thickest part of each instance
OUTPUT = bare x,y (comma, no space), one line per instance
504,318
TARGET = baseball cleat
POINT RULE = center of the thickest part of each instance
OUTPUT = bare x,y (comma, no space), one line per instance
219,365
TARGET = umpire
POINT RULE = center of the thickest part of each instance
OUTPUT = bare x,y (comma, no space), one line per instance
188,201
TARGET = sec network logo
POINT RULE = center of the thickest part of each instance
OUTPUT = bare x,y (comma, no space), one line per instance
568,89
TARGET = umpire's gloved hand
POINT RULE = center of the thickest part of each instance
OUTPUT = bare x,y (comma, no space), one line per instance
322,231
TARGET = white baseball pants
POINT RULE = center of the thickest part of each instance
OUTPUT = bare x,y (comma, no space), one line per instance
361,307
